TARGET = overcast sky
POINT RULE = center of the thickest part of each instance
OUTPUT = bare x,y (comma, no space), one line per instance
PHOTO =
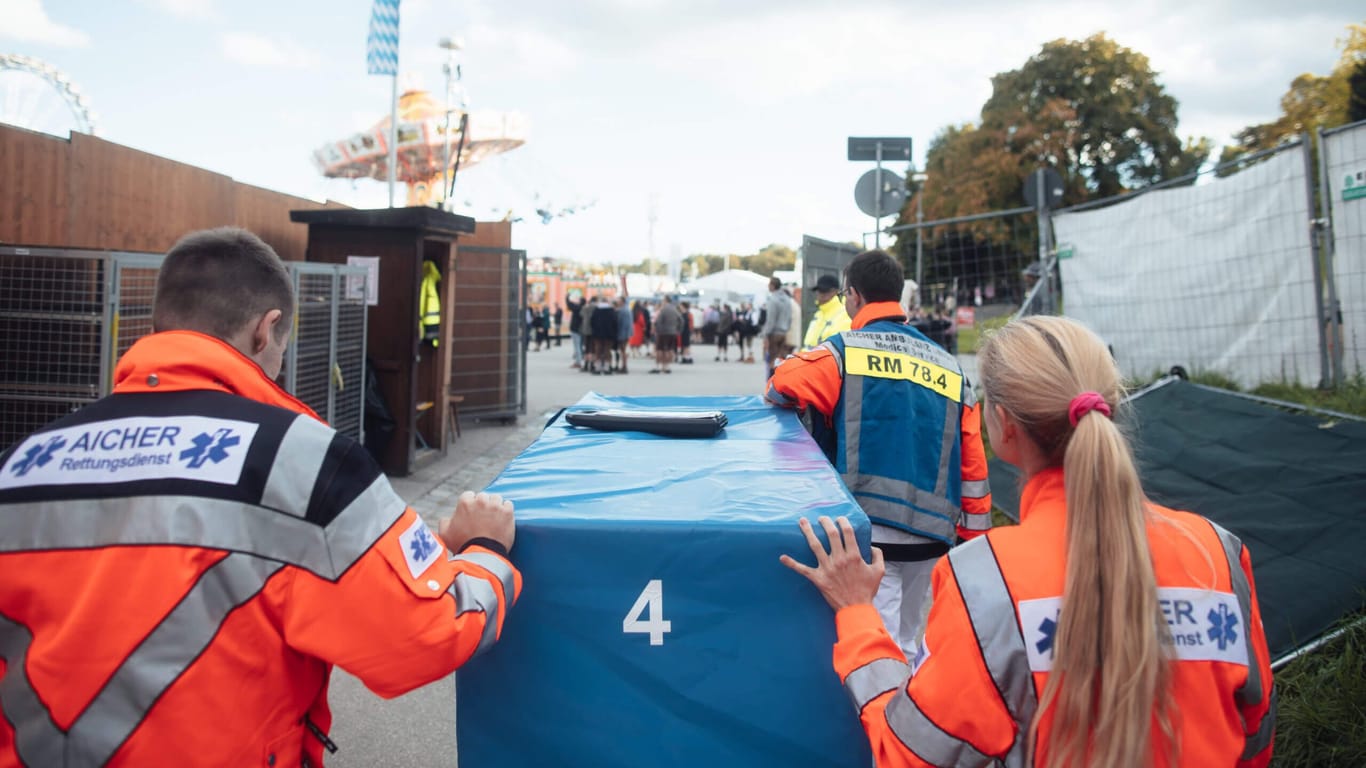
729,119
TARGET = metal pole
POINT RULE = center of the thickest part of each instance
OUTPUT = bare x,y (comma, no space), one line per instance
1327,251
1039,204
446,149
393,136
877,204
1321,318
919,245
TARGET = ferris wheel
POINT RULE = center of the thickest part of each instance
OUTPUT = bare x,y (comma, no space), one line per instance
37,96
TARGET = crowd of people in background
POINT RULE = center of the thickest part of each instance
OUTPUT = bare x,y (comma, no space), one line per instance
605,333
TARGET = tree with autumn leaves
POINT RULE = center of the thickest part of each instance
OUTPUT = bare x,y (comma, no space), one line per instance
1091,109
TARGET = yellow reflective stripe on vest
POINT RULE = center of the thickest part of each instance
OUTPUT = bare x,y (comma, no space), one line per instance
884,364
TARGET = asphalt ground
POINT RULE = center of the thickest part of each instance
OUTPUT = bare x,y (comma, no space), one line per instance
417,730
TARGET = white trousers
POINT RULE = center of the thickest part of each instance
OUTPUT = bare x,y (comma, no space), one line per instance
903,601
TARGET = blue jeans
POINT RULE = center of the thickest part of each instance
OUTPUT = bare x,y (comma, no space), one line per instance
578,346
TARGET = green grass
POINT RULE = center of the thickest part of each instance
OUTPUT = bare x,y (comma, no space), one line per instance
1348,398
970,336
1322,717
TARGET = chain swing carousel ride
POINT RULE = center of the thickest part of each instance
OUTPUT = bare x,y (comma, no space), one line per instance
424,143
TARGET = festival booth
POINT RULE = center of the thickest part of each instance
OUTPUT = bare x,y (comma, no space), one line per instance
411,375
657,627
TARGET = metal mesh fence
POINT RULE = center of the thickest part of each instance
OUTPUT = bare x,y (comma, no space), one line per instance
348,407
66,316
52,316
136,278
1213,274
325,361
1342,160
971,271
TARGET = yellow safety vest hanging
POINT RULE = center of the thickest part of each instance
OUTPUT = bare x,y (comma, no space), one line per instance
429,305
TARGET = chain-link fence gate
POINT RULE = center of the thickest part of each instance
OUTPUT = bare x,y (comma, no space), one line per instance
67,315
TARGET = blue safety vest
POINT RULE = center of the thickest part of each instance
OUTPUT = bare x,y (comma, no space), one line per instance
897,426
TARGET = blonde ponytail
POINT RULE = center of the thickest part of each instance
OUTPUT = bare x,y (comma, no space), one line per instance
1110,672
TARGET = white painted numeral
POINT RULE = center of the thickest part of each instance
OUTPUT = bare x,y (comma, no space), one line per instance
651,599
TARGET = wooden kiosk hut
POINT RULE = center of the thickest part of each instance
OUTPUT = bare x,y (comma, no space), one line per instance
477,369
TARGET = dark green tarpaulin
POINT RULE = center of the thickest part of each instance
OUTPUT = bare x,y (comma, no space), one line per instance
1290,484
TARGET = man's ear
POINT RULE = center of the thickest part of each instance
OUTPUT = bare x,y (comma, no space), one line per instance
264,331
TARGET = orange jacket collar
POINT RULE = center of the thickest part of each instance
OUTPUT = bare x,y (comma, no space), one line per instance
1044,495
879,310
176,361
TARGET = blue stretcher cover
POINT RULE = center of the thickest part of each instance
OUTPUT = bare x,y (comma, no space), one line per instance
620,532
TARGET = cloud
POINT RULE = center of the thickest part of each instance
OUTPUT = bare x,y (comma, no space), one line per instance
532,51
26,20
260,51
186,9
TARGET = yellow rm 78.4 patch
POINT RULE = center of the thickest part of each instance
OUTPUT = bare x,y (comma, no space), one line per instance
884,364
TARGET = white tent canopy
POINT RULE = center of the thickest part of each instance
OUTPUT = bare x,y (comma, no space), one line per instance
731,286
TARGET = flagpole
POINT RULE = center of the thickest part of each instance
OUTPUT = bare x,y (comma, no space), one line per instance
393,137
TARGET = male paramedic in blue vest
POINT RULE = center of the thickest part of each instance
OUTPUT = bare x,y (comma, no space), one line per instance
899,421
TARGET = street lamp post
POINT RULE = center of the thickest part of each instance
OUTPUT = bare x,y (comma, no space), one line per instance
919,180
452,46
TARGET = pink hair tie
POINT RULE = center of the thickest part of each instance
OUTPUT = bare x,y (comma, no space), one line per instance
1084,403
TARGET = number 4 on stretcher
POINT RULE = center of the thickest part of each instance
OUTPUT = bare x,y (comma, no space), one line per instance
656,626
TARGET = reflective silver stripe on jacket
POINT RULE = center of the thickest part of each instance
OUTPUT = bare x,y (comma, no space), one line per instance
992,612
496,566
205,523
976,489
920,735
297,462
1262,738
874,679
157,662
472,593
1251,691
976,521
475,594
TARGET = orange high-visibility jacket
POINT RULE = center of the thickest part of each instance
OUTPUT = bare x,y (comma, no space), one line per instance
972,695
817,379
186,559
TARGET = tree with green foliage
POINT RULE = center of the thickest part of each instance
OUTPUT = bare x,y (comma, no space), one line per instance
1092,109
1313,101
1356,88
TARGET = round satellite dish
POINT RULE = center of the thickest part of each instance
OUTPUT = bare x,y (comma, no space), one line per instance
893,188
1052,188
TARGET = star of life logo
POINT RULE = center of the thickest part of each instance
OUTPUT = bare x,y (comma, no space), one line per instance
420,547
1201,625
208,447
38,455
131,449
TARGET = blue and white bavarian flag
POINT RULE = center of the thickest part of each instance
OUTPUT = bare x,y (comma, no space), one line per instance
381,53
